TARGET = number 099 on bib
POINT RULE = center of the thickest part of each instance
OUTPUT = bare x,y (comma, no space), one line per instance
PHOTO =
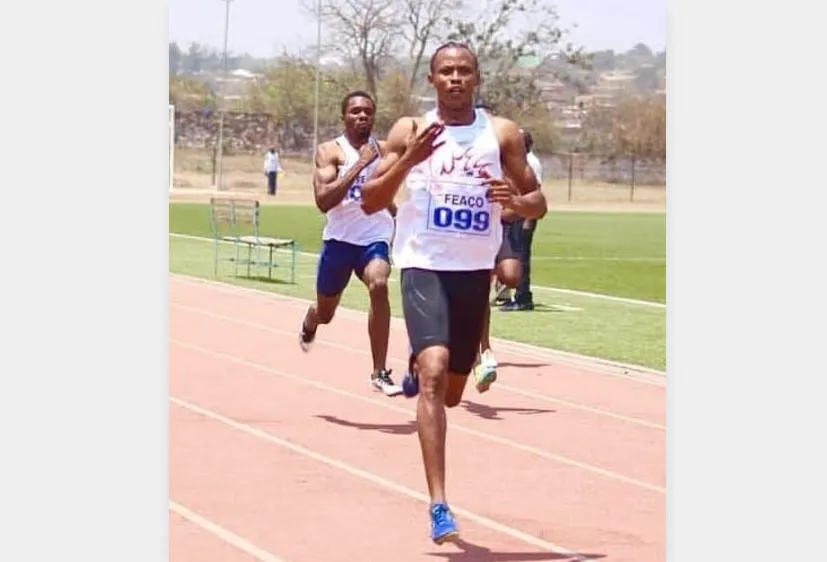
459,213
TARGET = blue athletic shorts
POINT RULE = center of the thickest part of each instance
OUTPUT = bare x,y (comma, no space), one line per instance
340,259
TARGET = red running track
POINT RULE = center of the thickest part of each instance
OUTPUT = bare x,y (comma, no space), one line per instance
282,456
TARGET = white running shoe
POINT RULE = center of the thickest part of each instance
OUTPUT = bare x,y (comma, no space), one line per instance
485,372
382,381
502,293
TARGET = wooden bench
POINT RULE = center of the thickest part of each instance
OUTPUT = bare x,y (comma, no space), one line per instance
238,221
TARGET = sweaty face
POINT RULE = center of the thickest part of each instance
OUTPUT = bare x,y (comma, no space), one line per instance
454,76
359,115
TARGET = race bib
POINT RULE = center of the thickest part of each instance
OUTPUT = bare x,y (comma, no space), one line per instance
460,210
354,193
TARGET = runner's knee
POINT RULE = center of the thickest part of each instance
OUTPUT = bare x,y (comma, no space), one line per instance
432,369
378,287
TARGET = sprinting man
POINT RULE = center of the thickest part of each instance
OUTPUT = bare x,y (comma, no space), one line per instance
354,242
453,161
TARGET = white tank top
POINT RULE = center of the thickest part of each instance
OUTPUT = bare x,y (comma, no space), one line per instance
447,224
347,222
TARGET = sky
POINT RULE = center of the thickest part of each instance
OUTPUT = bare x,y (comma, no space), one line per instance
263,27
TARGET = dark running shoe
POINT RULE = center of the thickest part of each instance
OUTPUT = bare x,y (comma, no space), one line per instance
306,337
515,306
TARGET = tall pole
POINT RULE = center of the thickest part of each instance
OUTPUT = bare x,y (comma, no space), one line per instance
318,77
222,95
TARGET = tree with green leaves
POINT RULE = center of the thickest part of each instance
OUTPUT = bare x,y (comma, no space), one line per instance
187,94
287,92
175,58
634,128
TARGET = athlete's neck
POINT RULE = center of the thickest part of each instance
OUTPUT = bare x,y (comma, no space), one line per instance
453,116
356,140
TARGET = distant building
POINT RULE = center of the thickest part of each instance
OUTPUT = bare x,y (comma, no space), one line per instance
612,85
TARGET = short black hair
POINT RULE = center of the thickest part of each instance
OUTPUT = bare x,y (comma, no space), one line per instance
454,45
529,140
356,94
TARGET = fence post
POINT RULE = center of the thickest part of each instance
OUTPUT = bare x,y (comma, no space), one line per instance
571,173
214,157
632,190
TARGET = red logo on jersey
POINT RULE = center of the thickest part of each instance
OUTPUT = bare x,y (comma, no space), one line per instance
466,164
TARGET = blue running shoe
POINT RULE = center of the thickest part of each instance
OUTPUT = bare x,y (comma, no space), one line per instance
443,525
410,385
410,382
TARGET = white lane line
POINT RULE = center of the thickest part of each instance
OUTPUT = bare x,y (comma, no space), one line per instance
227,536
379,481
594,365
410,413
401,361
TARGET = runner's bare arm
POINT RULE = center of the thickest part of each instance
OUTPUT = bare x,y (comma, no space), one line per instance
531,203
509,215
392,208
380,190
329,190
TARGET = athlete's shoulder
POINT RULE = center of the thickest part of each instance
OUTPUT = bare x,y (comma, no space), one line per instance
406,123
400,131
507,132
504,126
328,150
334,143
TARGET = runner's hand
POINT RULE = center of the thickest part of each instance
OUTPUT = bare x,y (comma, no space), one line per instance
500,190
421,146
368,153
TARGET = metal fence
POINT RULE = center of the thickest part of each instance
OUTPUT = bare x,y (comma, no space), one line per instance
572,177
577,169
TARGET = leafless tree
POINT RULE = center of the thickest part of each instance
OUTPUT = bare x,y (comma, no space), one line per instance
365,31
507,31
426,23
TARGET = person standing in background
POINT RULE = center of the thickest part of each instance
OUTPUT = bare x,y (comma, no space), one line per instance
272,168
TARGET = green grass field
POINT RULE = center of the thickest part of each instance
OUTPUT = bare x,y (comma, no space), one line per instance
621,255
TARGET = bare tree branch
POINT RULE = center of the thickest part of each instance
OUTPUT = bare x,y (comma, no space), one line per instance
508,31
425,25
366,31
